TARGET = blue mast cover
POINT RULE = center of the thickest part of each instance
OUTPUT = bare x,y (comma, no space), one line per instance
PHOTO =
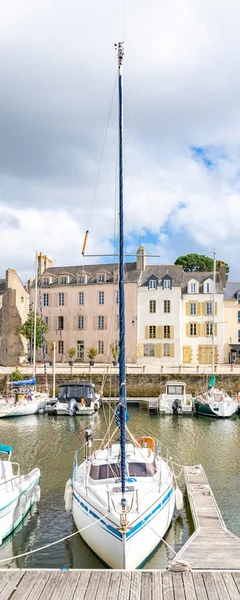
31,381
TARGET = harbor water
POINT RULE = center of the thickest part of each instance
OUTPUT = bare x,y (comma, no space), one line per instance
50,442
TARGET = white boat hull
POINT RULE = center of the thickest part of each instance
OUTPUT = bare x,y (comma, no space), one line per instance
124,551
21,410
16,501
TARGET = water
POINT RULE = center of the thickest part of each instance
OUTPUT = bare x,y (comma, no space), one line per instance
50,442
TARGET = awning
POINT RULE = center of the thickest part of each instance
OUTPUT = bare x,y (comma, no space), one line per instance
234,346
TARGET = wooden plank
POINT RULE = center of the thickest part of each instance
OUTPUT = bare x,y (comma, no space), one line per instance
82,585
135,586
50,586
210,586
236,577
178,586
231,586
6,578
124,586
93,585
146,585
199,586
22,589
156,586
220,586
189,586
59,589
72,579
102,592
11,584
167,586
114,585
41,581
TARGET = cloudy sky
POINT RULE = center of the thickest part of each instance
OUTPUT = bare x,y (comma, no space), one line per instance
182,128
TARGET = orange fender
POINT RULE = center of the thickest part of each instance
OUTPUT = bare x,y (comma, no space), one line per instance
147,440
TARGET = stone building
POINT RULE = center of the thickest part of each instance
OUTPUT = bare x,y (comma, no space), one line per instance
14,308
232,321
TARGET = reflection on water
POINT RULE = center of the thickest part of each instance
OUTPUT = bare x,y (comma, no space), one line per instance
50,442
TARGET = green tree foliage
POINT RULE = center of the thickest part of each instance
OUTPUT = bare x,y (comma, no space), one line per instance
199,262
27,329
16,375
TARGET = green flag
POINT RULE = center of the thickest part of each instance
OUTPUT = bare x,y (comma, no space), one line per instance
212,382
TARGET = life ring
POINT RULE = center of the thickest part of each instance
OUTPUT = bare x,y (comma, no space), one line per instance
146,442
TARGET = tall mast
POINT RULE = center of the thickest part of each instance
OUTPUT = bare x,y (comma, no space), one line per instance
35,316
122,370
213,319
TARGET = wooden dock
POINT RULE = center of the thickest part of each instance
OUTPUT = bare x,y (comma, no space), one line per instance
211,546
118,585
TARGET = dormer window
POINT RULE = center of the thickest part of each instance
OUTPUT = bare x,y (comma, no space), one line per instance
81,279
166,282
101,277
193,287
152,284
208,286
63,280
238,297
45,281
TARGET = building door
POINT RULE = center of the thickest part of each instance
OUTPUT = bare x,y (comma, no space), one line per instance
80,350
205,355
187,354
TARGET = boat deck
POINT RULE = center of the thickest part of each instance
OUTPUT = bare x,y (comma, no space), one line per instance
211,546
118,585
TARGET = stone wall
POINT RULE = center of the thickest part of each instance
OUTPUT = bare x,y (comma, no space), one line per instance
13,312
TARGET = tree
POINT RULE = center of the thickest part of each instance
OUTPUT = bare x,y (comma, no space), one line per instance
27,329
199,262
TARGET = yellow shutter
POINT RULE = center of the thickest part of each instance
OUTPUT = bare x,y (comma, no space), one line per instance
146,332
172,350
187,329
215,354
215,308
161,332
139,350
187,308
215,329
172,332
198,329
158,350
198,311
203,308
158,332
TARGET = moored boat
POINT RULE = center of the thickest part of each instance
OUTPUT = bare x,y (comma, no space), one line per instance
21,400
216,403
77,399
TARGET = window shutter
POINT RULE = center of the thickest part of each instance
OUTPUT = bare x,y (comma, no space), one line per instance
215,308
55,300
49,323
158,332
172,332
146,332
54,323
49,299
203,308
65,298
158,350
95,322
187,329
215,328
75,323
198,311
188,308
172,350
139,350
198,329
161,332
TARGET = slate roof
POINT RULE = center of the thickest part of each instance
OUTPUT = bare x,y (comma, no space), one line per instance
2,286
231,290
159,271
201,276
131,273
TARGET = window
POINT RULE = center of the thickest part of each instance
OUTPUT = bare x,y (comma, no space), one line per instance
239,336
238,297
60,299
208,288
175,390
167,284
101,277
60,322
152,284
63,280
148,350
81,298
81,279
45,299
209,308
167,306
117,297
193,288
193,308
45,281
60,347
152,306
80,322
239,316
100,297
46,320
166,331
193,328
101,323
166,349
101,347
152,331
209,328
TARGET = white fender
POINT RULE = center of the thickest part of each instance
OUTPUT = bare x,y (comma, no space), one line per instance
178,499
68,496
37,493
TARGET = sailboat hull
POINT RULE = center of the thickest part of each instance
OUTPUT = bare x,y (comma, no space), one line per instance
130,550
220,410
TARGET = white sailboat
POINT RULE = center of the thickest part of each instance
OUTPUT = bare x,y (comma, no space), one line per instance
122,495
214,402
17,493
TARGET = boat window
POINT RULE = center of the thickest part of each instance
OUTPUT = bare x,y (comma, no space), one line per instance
142,469
106,471
175,390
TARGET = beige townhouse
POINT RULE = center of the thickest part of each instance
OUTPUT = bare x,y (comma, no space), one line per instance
232,322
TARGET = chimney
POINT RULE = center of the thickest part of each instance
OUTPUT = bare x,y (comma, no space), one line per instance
141,258
222,275
43,263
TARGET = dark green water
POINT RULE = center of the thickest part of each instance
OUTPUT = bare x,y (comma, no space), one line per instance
50,443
